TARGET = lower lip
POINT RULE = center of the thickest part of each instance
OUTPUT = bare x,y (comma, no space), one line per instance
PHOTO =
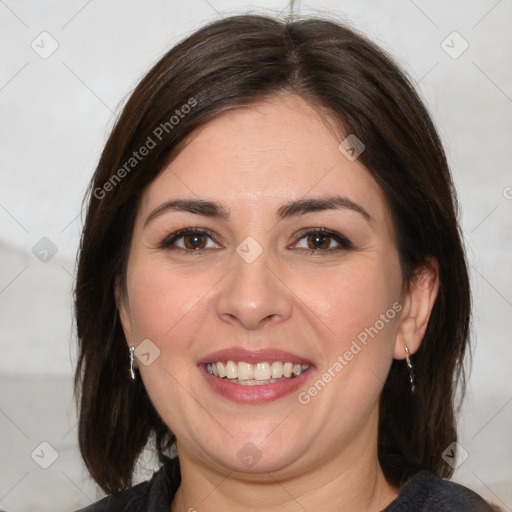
257,394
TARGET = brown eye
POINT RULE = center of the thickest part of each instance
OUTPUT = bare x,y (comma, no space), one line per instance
190,240
323,241
318,241
195,241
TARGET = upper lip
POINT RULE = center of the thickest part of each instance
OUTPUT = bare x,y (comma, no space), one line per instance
252,356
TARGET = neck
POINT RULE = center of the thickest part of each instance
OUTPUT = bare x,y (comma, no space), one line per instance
347,481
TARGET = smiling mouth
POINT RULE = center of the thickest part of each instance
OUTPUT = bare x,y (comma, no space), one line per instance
247,374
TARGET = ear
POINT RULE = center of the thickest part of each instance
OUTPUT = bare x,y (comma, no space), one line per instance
417,302
123,307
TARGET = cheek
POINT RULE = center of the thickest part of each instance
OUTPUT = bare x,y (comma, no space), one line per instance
167,307
357,307
161,300
350,301
359,317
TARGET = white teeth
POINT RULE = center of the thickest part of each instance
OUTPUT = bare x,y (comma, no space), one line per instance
231,370
245,371
220,370
256,382
261,371
276,368
253,374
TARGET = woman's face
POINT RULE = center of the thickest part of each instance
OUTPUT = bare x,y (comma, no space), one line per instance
289,258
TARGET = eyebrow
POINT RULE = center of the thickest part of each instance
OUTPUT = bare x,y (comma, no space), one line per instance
196,206
303,206
214,209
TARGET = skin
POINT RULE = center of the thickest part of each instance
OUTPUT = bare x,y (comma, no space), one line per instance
316,456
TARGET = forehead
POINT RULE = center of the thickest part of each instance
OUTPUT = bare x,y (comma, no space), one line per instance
257,157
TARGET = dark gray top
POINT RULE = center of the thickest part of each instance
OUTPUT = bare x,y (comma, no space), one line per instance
422,492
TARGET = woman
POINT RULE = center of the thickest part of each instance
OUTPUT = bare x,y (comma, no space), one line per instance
272,284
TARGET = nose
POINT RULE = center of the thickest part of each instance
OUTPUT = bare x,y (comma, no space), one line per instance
253,296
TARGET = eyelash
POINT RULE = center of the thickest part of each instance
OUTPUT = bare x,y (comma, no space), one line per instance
171,239
344,243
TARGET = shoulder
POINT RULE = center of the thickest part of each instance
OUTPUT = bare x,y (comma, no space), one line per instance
155,495
123,501
426,492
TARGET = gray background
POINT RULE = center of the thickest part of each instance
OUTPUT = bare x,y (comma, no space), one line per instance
56,113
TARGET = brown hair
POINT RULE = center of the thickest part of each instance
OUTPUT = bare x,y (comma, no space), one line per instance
225,65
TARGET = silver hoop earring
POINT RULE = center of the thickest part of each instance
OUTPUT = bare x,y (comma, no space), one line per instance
132,362
411,371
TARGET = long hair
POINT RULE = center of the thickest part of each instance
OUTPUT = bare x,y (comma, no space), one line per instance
226,65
